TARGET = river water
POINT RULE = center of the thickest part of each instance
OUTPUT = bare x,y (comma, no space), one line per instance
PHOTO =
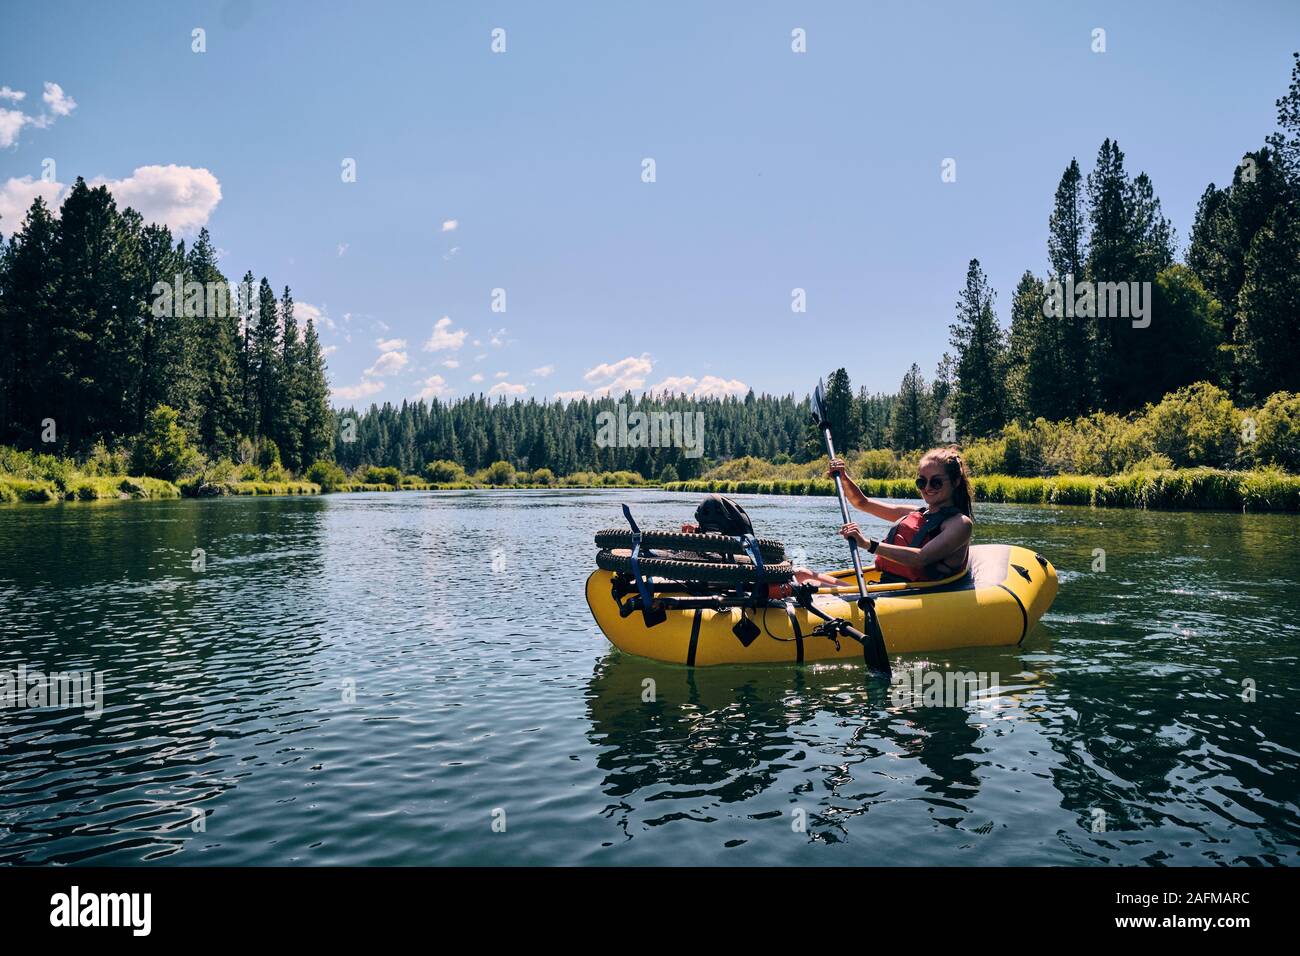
415,678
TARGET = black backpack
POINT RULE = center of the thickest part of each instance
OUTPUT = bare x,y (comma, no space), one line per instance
721,515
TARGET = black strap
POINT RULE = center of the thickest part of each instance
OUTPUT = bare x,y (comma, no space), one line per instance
695,637
798,633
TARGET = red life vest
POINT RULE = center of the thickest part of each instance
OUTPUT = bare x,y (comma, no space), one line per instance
914,531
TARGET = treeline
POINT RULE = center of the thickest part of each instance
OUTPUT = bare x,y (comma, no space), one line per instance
475,432
104,319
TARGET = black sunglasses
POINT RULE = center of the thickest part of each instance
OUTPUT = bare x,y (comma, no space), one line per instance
936,482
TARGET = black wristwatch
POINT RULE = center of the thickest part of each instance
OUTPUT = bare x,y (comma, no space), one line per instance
871,545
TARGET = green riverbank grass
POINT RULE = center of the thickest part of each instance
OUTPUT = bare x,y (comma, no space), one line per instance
1178,489
84,488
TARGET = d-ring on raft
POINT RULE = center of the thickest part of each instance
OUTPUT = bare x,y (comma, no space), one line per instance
1005,593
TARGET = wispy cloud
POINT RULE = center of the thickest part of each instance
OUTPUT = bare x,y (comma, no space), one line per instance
444,338
60,103
625,375
12,122
435,386
361,390
709,385
388,363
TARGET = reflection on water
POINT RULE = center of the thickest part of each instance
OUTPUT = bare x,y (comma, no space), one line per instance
367,679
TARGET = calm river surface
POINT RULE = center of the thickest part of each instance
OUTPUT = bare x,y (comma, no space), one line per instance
375,679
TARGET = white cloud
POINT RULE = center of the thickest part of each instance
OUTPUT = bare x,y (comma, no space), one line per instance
11,124
476,377
443,338
501,375
182,197
60,103
302,311
389,363
544,371
390,345
710,385
353,392
16,197
569,396
622,376
450,225
450,363
343,247
329,350
505,388
12,121
435,387
720,387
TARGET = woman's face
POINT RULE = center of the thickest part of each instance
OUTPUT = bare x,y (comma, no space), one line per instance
938,486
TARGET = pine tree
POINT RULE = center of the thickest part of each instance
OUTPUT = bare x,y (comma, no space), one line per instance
266,369
1268,335
161,344
214,326
912,424
979,401
291,389
1038,363
1067,245
29,313
1286,142
318,420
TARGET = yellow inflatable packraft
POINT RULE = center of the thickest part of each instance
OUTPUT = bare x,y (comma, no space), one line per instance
1006,592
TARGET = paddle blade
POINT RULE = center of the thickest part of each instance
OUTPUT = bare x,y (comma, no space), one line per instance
818,406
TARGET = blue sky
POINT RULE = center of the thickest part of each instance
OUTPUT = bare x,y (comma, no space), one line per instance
774,170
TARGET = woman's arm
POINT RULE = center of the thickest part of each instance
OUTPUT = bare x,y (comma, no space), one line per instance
860,501
955,535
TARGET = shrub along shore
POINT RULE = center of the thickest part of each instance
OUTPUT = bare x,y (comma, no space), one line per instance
1171,489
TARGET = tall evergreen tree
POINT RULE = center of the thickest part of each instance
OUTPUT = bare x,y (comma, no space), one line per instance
979,401
318,420
1067,252
1267,330
290,412
29,317
1130,241
1041,369
212,318
266,370
1286,141
912,424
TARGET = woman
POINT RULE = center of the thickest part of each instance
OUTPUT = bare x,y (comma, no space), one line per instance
925,544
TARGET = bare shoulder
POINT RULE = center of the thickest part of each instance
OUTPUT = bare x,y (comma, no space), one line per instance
960,521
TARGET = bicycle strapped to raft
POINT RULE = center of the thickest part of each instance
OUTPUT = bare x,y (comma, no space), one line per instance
716,571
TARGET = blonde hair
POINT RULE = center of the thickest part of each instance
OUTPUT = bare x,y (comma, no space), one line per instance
963,495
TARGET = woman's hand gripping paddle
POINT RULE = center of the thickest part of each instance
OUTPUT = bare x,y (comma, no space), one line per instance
873,642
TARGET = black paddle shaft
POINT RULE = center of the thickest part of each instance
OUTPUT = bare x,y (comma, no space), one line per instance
877,656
